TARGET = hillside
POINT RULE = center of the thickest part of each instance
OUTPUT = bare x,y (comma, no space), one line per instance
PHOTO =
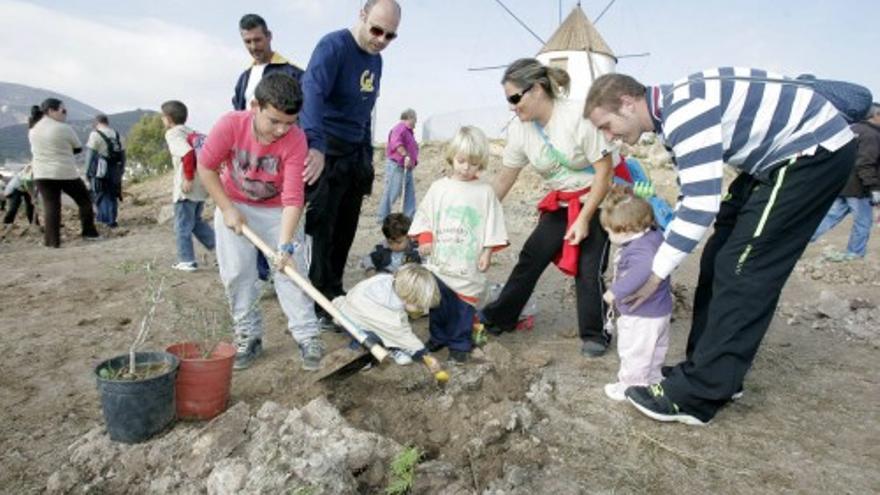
14,144
16,101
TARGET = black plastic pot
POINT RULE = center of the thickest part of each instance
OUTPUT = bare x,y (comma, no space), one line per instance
135,410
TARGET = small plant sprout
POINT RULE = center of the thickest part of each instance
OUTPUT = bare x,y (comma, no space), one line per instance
146,322
403,471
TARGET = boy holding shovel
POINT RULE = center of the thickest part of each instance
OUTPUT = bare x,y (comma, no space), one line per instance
261,186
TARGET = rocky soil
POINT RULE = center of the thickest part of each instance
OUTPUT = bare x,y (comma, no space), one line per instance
526,416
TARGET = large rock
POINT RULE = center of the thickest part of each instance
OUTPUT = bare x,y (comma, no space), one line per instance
832,306
275,450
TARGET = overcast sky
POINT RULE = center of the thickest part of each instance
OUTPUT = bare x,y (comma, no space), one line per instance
123,54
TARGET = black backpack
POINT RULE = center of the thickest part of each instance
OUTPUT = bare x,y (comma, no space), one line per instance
115,154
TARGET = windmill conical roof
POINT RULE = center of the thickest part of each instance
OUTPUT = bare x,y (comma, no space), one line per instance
577,33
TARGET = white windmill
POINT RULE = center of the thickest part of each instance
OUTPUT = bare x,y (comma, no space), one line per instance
575,46
578,48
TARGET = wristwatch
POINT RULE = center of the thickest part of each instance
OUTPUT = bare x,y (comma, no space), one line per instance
287,247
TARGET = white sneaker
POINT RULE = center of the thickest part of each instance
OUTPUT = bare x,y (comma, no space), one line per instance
185,266
615,391
401,357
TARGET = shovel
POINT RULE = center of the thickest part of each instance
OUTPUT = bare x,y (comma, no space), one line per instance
342,362
369,342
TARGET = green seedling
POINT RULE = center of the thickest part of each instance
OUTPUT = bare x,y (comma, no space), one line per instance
403,471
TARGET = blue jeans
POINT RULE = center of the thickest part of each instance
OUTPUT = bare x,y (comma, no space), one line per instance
394,177
187,223
861,228
108,207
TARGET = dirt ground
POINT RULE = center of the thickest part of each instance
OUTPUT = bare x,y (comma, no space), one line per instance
808,422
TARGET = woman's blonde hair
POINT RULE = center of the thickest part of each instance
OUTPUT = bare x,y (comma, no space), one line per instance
415,285
471,143
623,211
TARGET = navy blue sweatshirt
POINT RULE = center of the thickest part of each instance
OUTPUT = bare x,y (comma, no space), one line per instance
340,87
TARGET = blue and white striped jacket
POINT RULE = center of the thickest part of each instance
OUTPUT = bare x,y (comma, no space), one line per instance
708,121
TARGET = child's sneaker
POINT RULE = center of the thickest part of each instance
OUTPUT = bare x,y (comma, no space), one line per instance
401,357
653,402
185,266
593,349
839,257
247,351
615,391
459,357
311,351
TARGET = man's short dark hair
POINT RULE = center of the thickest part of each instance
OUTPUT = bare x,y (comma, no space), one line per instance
281,91
395,225
606,91
252,21
175,111
102,119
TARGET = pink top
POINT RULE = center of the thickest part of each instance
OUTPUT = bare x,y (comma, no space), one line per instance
256,174
402,135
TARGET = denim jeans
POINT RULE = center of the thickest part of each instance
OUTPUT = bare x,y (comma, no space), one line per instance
187,223
107,207
861,228
394,179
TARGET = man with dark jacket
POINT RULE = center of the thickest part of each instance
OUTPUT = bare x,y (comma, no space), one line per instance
258,40
860,192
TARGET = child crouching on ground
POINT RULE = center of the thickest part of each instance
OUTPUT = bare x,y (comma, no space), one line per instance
459,223
397,250
382,304
642,333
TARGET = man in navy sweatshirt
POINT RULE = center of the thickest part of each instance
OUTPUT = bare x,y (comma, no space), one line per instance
340,87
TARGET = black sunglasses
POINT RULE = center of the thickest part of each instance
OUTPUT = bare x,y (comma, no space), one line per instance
517,97
377,31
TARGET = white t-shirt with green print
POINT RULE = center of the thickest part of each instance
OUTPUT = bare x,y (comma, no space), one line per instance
570,144
463,218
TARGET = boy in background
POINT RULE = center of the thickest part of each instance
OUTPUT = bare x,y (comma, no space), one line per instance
188,193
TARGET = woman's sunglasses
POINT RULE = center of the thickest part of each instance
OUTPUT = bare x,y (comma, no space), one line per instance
517,97
377,32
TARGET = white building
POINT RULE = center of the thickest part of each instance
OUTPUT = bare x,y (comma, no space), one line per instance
576,46
579,49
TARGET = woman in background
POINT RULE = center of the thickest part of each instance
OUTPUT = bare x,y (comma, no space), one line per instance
53,144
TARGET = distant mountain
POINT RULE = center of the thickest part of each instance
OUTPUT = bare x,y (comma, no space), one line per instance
14,145
16,101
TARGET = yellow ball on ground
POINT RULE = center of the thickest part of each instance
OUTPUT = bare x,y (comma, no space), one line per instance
441,376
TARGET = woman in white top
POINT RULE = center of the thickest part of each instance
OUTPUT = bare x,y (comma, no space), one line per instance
567,151
53,144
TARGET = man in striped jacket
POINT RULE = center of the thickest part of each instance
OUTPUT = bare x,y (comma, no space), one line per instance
794,153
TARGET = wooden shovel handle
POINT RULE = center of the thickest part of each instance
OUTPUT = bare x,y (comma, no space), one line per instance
374,347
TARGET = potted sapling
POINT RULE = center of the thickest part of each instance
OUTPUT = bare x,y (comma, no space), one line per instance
137,388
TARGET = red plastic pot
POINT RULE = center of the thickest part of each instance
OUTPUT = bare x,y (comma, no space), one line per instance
202,387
